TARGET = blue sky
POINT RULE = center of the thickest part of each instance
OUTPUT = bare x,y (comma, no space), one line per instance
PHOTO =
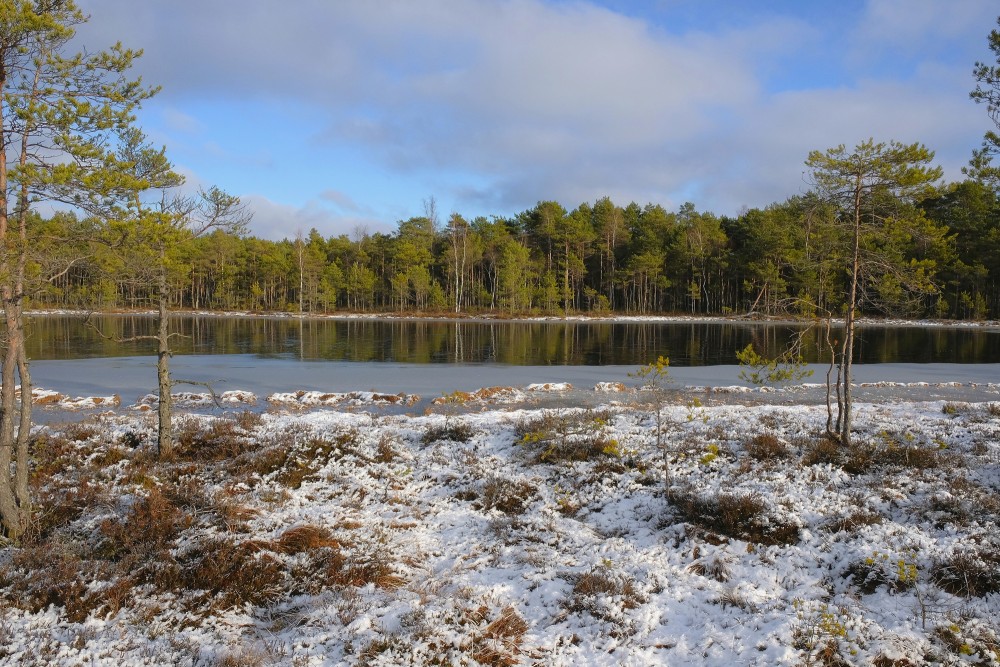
348,115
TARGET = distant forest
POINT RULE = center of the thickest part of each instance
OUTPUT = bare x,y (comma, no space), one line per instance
791,257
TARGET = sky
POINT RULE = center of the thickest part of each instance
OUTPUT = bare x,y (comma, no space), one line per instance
348,116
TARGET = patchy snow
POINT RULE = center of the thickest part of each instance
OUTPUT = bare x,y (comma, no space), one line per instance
665,319
309,399
533,536
47,398
549,386
610,387
188,399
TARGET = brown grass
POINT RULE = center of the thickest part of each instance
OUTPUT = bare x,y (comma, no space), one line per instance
972,573
766,447
499,643
511,498
740,515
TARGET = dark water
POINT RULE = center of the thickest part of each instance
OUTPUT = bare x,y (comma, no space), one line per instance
515,343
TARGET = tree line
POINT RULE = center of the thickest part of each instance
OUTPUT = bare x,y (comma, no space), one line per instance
791,257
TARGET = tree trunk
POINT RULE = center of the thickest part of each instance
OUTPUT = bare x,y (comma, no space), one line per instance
12,515
164,440
21,489
847,359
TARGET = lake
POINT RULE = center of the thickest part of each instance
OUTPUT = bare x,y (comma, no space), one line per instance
431,358
518,343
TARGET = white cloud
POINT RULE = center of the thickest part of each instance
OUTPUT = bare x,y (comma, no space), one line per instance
496,104
276,221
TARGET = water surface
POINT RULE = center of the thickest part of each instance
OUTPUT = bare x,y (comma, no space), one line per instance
517,343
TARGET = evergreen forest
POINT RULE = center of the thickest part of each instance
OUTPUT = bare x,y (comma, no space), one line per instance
600,258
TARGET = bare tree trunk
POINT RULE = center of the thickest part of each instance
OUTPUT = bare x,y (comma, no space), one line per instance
21,489
829,371
847,359
11,514
164,440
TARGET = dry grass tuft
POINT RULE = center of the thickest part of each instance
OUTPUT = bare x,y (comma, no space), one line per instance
973,573
450,431
716,568
305,538
740,515
853,521
822,450
603,592
766,447
499,643
511,498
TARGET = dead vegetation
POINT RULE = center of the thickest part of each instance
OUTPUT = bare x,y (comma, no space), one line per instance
742,515
121,535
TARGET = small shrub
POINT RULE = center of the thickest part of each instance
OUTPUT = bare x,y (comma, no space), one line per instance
59,507
228,574
969,573
222,439
80,432
599,591
879,569
132,440
511,498
739,515
311,456
51,575
766,447
853,521
970,640
248,420
561,437
150,526
450,431
822,633
822,450
305,538
386,451
51,454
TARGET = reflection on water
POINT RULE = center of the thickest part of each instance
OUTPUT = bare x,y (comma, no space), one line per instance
516,343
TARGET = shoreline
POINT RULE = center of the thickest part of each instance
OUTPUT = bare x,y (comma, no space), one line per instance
554,319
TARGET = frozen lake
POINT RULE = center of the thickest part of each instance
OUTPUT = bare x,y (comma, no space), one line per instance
431,358
132,377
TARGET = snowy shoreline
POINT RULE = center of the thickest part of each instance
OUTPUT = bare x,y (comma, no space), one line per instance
485,318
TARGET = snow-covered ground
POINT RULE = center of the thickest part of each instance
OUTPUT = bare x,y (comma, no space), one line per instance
485,532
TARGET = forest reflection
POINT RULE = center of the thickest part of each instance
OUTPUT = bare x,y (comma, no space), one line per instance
502,342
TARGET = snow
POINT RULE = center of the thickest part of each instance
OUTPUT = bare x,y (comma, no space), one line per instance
502,548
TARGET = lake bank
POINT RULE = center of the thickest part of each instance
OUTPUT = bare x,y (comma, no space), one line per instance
480,317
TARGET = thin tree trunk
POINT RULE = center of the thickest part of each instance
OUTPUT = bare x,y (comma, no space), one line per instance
829,371
847,359
164,441
21,489
11,515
